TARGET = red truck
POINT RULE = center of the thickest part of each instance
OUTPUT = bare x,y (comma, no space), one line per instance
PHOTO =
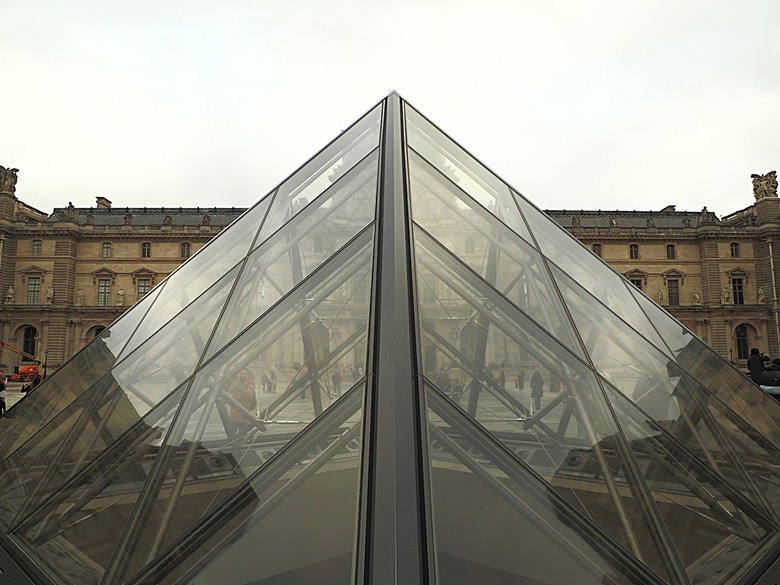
22,373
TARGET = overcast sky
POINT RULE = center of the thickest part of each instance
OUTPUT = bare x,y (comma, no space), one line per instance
608,104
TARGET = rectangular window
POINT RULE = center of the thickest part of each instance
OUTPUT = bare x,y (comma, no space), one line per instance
734,250
637,282
738,291
673,288
33,290
104,292
597,249
185,250
146,250
633,251
36,248
144,286
106,250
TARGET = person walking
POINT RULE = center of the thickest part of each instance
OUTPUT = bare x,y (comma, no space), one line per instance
537,390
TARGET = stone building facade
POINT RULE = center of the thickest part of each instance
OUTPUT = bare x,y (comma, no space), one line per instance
68,274
65,276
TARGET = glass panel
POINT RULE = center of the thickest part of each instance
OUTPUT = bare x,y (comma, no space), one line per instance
68,382
463,170
292,254
169,357
316,176
670,397
202,270
494,521
75,531
715,531
502,258
301,507
760,410
555,417
587,269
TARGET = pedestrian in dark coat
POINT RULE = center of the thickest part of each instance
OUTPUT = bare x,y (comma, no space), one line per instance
537,390
755,364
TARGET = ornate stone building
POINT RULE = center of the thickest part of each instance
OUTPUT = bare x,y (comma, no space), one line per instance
68,274
718,276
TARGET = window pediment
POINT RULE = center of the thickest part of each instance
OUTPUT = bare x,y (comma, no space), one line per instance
673,274
33,271
636,274
143,273
738,273
103,273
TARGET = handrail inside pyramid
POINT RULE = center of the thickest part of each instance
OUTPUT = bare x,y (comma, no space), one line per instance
244,383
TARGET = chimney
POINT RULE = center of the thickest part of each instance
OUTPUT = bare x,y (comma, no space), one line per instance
102,202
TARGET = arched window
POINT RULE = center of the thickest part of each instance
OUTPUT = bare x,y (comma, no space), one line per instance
734,249
596,249
671,253
741,334
36,247
29,341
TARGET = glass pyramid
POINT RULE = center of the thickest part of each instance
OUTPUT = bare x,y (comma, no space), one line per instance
392,369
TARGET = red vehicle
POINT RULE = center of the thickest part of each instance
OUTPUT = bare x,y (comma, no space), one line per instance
22,373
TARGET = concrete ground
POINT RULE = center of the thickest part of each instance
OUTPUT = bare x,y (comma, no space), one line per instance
13,393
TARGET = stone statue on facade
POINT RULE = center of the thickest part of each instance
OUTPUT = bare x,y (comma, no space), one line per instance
575,221
80,298
696,297
765,185
8,180
49,296
725,295
659,295
206,219
120,297
760,295
9,296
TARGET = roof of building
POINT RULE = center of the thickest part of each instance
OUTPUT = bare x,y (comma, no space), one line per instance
147,216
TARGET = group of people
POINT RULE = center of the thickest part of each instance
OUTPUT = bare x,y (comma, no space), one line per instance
765,372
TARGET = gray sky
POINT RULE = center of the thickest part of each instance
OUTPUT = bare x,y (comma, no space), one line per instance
609,104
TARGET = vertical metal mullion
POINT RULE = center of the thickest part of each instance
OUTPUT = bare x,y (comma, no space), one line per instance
392,528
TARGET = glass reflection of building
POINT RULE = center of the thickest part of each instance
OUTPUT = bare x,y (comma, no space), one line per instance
393,368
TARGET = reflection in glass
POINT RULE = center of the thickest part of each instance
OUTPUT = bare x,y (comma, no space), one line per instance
70,381
295,521
494,521
308,240
720,378
85,506
668,396
714,528
201,271
252,398
169,356
314,178
540,400
585,268
507,262
463,170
